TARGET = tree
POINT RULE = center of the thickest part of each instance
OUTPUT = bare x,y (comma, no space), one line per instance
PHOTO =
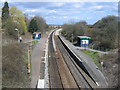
38,24
72,30
17,16
10,29
27,20
105,32
0,19
41,23
33,27
5,14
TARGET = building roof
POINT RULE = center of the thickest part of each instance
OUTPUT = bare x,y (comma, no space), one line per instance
84,37
36,33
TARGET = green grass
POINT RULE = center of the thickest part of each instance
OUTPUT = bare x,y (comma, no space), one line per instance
34,42
30,62
26,59
94,55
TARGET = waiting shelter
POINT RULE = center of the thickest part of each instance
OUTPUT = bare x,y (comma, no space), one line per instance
84,41
36,35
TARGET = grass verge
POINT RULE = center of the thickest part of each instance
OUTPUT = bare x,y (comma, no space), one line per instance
34,42
26,60
94,55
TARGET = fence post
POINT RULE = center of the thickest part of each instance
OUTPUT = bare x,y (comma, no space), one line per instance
28,60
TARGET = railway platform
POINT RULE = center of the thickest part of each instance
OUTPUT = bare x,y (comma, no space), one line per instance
88,63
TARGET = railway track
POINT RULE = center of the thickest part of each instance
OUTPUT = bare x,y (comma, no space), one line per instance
64,72
54,75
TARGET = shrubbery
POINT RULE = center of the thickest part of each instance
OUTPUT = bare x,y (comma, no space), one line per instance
104,33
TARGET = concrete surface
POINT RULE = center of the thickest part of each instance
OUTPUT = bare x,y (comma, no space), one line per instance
37,56
77,47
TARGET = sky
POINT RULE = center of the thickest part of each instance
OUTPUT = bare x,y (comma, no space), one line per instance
59,13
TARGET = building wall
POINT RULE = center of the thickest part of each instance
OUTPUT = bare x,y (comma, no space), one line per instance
83,42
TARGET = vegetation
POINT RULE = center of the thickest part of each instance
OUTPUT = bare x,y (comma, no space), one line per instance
111,69
104,33
14,70
19,19
37,24
94,55
5,14
13,18
0,24
71,31
42,26
33,27
34,42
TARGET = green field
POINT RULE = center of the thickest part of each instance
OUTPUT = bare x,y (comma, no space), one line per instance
94,55
34,42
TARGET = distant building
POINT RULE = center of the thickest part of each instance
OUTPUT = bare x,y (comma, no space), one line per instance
84,41
36,35
55,26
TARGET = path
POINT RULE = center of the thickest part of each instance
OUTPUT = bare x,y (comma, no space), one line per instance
92,50
37,55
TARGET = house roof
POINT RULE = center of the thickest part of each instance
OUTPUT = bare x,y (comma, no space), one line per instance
36,33
84,37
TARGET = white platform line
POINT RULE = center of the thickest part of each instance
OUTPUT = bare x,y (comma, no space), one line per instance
46,82
40,83
54,46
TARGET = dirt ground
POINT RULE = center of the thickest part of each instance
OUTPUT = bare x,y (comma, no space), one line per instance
14,69
110,69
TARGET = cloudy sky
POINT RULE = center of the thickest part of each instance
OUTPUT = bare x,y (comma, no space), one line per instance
64,12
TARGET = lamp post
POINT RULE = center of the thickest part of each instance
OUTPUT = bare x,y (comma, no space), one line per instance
18,33
72,38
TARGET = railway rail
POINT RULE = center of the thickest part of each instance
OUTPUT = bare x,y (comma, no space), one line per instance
64,71
54,75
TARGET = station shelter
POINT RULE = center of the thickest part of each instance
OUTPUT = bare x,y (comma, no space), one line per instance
36,35
84,41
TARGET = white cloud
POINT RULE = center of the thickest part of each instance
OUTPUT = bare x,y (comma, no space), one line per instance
77,6
65,17
75,17
54,17
97,7
31,10
31,15
59,4
89,18
99,12
51,11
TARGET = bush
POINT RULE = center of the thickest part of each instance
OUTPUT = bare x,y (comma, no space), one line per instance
14,70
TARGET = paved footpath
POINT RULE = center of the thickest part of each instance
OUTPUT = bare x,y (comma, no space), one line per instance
92,50
37,56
